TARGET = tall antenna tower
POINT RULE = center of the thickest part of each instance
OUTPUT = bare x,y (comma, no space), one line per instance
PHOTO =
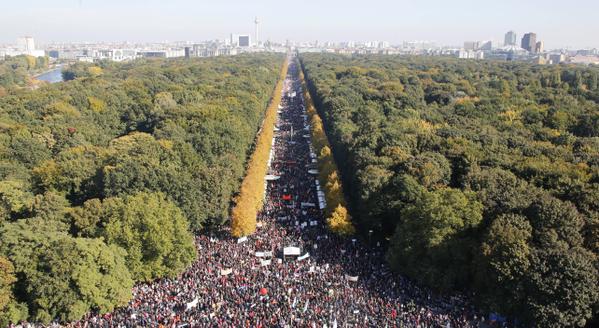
256,22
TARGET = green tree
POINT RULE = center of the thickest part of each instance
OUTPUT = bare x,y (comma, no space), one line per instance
505,262
154,233
561,287
430,242
10,311
430,169
61,276
555,222
15,199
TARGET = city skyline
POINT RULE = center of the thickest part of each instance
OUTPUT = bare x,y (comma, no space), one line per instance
445,23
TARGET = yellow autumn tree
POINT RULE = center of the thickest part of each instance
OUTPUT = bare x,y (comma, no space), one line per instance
251,194
31,61
340,222
94,71
95,104
338,219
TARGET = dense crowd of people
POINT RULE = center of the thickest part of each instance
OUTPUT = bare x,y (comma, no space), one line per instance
256,282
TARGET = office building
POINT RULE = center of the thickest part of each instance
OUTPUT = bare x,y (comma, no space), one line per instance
529,42
471,45
557,58
487,46
241,40
539,47
26,44
510,38
244,41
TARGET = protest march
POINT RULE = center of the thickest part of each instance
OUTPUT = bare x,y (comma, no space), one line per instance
293,272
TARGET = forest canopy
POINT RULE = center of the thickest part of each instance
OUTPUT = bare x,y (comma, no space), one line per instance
105,178
483,175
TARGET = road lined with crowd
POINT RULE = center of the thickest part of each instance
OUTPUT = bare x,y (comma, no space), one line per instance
292,272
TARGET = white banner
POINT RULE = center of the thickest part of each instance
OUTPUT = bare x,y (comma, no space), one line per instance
350,278
303,257
242,239
307,205
226,272
264,254
193,303
265,262
291,251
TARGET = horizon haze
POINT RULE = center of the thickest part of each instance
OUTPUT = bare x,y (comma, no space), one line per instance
446,23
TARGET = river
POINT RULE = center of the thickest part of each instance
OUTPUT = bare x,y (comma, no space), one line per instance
52,76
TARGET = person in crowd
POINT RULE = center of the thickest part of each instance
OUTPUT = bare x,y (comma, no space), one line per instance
335,282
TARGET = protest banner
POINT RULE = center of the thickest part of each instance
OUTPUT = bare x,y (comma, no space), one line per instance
351,278
303,257
293,251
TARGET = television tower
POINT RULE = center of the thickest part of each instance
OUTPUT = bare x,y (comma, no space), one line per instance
256,22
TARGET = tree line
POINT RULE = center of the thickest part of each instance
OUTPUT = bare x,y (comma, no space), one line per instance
105,178
251,194
483,176
337,217
16,72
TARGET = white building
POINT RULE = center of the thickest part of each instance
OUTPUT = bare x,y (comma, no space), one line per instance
117,55
470,54
164,53
25,46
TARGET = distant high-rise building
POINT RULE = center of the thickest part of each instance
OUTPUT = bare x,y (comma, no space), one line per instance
539,47
384,44
26,44
244,41
529,42
241,40
510,38
256,21
471,45
488,46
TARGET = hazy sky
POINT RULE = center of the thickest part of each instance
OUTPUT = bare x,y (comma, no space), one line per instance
558,23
